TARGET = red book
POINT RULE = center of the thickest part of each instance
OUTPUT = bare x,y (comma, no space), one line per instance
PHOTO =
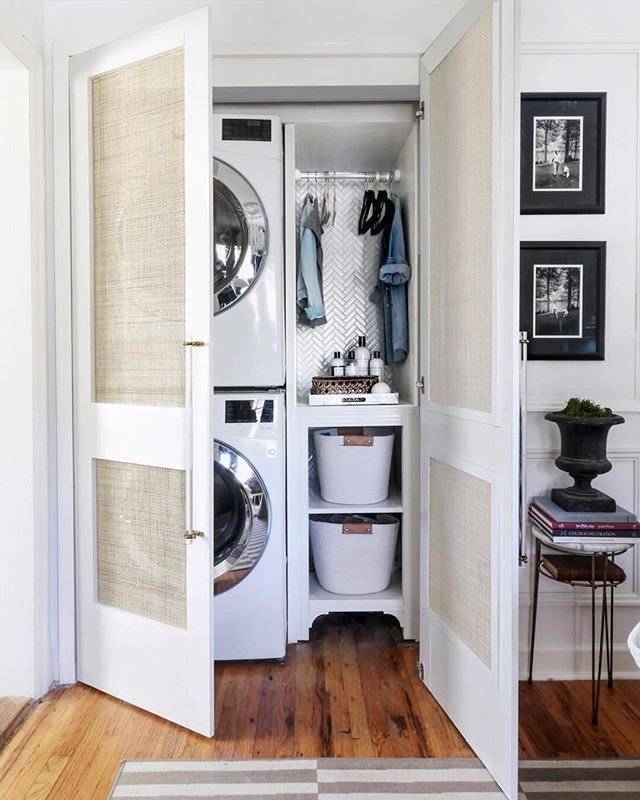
538,513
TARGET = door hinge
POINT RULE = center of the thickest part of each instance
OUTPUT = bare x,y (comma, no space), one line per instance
420,667
420,111
191,535
420,384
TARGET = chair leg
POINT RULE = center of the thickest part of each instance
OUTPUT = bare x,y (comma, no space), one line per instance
610,682
536,584
606,635
603,625
593,640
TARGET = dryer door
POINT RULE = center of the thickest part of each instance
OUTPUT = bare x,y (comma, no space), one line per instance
240,236
242,518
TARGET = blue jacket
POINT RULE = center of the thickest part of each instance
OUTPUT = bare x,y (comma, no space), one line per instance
392,291
309,284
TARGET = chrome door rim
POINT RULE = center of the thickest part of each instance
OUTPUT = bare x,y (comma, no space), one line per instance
254,503
243,199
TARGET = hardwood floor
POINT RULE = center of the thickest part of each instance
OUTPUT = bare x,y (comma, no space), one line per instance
351,691
11,709
555,720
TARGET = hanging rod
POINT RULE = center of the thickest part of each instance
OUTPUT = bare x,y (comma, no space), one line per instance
377,177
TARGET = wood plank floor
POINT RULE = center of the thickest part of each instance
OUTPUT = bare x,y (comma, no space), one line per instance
555,720
351,691
11,709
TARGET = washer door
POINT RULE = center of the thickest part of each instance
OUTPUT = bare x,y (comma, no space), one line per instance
241,519
241,236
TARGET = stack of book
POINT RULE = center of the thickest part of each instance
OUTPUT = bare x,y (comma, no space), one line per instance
620,525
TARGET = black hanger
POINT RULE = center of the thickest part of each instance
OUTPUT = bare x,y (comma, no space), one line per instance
383,213
368,207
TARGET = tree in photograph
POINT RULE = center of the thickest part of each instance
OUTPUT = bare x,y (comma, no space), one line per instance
549,281
571,139
547,132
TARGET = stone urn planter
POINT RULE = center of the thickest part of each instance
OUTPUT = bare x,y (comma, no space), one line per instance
583,454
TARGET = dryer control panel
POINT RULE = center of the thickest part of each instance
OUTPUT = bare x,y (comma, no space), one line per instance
251,135
245,129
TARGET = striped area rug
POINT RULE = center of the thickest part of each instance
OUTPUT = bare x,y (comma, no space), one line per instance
372,779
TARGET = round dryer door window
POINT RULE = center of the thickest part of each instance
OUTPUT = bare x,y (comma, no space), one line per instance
241,236
241,517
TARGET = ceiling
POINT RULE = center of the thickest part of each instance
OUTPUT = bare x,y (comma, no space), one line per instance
357,147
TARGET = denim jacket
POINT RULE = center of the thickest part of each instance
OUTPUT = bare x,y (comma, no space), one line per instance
309,295
392,291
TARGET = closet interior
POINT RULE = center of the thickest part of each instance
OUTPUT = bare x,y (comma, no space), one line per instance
335,161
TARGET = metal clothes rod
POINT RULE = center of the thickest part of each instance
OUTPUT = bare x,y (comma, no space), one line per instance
377,177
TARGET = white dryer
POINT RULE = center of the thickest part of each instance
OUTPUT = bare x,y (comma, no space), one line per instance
248,252
249,529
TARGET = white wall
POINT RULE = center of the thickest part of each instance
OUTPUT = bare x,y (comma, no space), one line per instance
276,42
26,18
577,45
16,465
24,547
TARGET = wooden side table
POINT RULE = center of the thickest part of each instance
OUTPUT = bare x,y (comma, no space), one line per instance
593,568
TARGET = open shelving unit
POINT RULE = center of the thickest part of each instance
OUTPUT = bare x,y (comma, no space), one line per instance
307,599
390,601
392,505
349,275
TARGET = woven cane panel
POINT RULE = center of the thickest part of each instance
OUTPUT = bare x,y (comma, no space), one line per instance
138,232
460,276
140,531
460,555
350,274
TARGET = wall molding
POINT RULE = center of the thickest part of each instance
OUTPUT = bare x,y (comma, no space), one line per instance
577,599
599,48
570,663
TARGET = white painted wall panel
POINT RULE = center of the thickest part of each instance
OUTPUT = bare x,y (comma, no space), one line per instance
577,46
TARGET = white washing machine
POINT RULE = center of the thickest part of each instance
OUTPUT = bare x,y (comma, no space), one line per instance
249,536
248,252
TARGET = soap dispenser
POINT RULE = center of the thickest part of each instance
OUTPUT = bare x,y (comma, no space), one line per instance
376,366
350,366
363,356
337,364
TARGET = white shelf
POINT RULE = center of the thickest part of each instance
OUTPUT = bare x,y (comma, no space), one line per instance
323,602
392,505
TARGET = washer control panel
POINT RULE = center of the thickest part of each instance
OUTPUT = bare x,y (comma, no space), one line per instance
251,411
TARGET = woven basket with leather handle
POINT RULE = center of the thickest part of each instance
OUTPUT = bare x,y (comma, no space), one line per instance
343,384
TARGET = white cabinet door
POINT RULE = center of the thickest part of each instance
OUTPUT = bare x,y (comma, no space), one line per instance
141,247
469,416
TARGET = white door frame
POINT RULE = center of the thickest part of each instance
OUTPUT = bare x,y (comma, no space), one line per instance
65,598
43,553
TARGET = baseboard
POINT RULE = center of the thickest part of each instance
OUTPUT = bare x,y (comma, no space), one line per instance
570,664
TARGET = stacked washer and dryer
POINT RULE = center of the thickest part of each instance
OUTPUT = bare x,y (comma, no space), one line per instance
249,374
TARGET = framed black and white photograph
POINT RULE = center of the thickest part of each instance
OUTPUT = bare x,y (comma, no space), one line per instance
557,157
562,153
562,299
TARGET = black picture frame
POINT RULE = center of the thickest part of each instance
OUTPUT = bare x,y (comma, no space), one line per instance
588,111
577,276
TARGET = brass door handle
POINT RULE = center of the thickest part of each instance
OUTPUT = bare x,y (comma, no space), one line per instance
193,343
191,535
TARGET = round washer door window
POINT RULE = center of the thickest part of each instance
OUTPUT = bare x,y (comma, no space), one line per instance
241,517
241,236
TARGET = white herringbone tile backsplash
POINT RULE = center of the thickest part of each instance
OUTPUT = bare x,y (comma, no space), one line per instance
350,273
